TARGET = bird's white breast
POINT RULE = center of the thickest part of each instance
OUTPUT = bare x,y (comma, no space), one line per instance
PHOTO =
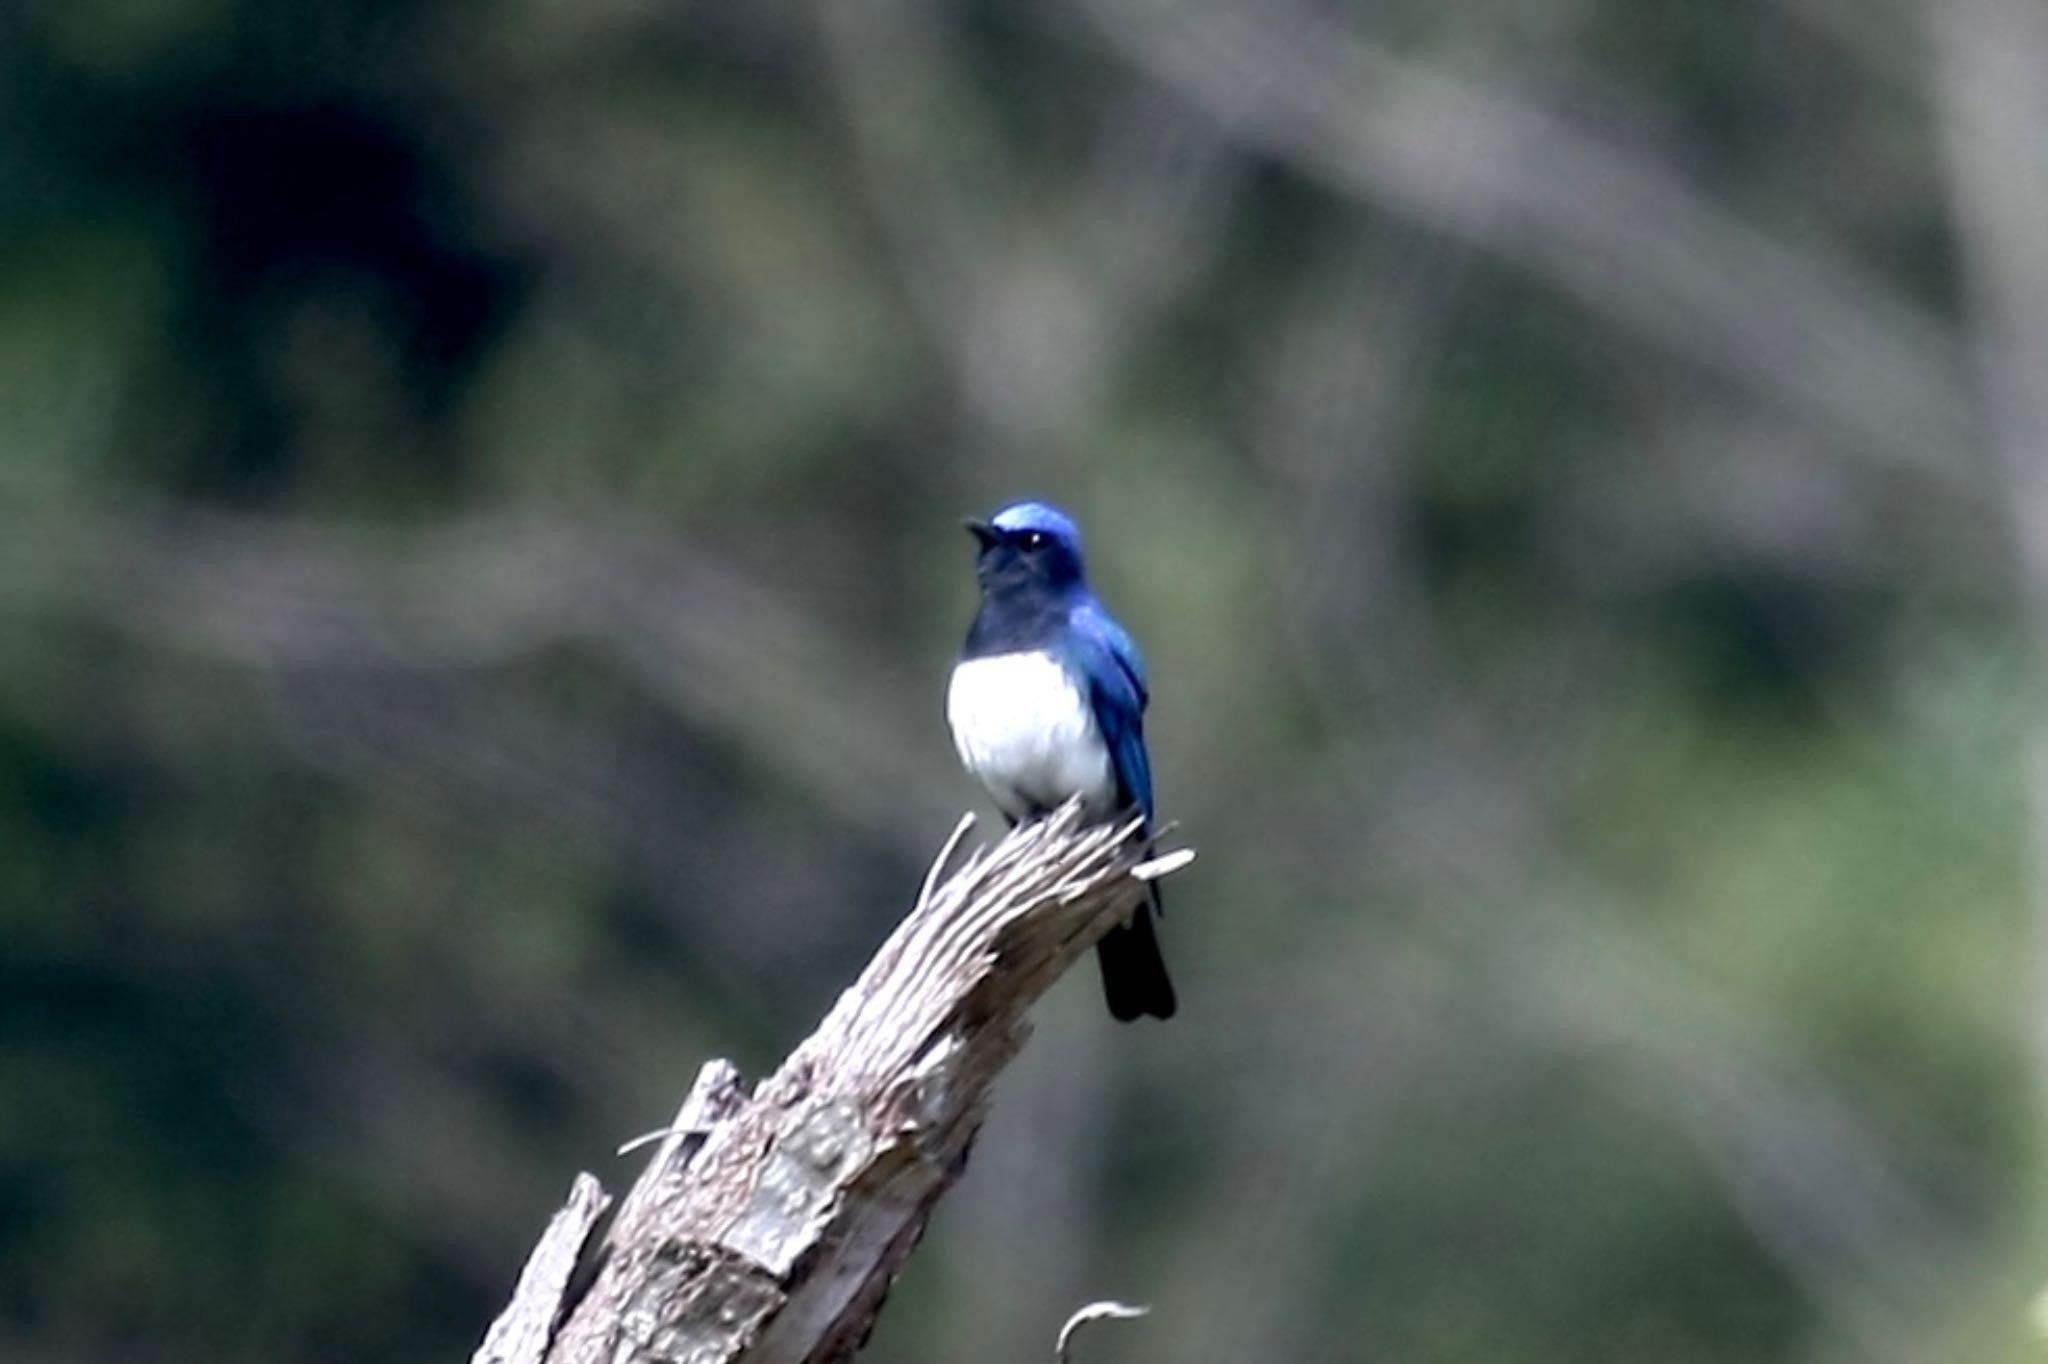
1027,732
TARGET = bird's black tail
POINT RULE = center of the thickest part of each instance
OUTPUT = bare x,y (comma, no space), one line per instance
1134,978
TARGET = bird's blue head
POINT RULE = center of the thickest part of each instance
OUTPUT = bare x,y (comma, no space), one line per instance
1028,547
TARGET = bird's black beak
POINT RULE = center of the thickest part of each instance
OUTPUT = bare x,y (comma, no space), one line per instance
984,534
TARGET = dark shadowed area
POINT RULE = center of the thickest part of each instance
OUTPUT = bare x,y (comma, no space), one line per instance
480,559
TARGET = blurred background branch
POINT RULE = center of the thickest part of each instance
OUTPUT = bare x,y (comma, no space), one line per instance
1991,80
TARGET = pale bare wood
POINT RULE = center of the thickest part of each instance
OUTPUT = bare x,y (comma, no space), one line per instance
1063,1348
768,1228
521,1333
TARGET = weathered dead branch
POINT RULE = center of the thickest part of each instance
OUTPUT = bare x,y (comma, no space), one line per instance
768,1228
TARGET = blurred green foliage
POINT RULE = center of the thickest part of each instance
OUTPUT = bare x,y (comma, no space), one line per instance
480,570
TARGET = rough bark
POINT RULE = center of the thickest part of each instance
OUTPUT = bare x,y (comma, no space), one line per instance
768,1228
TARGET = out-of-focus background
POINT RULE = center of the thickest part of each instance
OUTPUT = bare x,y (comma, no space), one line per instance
480,560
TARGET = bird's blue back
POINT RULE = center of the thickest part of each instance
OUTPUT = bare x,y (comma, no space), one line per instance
1101,655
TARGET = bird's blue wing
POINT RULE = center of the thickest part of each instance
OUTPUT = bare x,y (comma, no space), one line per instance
1092,619
1105,655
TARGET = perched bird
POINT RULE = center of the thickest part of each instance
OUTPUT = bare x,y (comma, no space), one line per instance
1047,703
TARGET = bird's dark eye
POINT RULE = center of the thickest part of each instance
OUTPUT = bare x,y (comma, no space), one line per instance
1036,539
